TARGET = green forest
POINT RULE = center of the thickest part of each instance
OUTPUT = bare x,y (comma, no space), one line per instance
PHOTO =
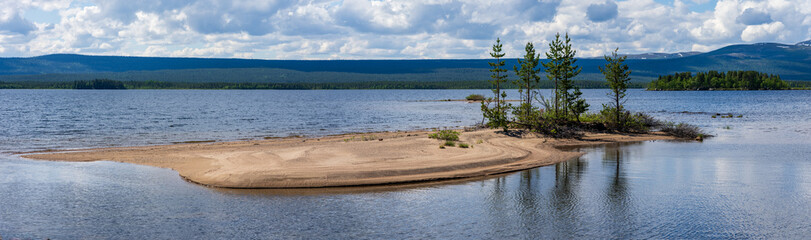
713,80
113,84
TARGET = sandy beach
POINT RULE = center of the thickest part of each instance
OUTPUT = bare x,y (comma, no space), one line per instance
346,160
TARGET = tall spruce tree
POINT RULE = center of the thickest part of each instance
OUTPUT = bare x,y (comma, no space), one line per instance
617,74
561,70
497,115
527,74
553,69
498,76
527,81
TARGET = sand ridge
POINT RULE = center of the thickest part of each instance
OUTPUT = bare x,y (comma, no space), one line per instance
345,160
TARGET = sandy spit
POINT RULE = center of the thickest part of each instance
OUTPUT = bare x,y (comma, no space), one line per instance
346,160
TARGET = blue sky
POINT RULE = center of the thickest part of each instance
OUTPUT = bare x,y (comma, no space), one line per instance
388,29
695,6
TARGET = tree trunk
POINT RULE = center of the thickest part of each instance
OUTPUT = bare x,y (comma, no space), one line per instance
617,102
556,98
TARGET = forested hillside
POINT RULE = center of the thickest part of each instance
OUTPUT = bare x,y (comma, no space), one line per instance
713,80
791,62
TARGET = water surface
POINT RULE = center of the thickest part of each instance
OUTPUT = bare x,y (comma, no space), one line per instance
751,181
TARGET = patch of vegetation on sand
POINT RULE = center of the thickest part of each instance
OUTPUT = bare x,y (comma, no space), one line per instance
448,135
475,97
565,114
683,130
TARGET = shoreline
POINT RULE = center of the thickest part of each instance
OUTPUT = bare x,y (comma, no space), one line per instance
347,160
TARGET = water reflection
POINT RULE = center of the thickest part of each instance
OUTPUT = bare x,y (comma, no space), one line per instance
643,190
615,156
388,188
617,192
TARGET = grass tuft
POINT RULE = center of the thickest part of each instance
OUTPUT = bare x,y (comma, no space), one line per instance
475,97
683,130
445,135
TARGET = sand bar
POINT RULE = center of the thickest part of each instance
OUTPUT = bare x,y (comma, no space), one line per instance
346,160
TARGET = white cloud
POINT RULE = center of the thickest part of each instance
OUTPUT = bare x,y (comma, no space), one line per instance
373,29
752,16
602,12
13,22
763,32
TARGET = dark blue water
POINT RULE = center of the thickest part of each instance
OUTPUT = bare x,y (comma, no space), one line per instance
751,181
42,119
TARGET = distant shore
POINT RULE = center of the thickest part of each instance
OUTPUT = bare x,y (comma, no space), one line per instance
115,84
346,160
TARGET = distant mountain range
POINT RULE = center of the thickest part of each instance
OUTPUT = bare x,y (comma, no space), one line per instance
791,62
657,55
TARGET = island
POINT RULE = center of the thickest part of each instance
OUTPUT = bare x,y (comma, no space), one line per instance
714,80
348,160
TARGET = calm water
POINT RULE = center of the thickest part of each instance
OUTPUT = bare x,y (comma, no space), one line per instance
751,181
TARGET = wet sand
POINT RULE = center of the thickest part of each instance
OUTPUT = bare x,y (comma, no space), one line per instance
346,160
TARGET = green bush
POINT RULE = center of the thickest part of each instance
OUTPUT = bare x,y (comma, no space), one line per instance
475,97
645,120
591,118
682,130
448,135
464,145
630,122
450,143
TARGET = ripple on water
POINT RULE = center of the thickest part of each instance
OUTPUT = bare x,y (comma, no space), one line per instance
748,182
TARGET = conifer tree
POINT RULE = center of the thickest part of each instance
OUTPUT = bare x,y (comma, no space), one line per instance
617,74
497,116
527,74
561,70
527,81
498,76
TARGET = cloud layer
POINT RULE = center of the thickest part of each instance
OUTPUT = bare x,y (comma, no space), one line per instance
373,29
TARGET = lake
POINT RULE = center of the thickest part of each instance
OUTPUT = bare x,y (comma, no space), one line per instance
753,180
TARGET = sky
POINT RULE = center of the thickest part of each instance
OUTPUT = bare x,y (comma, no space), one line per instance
388,29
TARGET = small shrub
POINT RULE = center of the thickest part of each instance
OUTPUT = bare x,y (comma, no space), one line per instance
683,130
448,135
479,141
464,145
646,120
441,146
630,122
591,118
450,143
369,138
527,114
475,97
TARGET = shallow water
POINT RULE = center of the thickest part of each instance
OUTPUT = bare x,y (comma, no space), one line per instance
751,181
